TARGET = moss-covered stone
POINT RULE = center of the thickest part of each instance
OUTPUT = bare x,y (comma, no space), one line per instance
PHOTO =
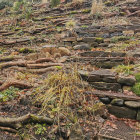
26,50
136,89
99,40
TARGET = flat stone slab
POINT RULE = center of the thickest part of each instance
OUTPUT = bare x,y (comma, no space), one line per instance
82,47
106,86
122,112
132,104
103,75
103,72
102,54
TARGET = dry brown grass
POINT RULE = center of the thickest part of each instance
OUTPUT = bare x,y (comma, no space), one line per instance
78,1
97,7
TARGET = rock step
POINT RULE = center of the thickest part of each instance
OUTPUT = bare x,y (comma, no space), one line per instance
102,54
120,105
105,79
101,62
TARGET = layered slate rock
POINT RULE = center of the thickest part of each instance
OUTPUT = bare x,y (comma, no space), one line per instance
101,75
102,59
102,79
102,54
128,81
106,86
122,112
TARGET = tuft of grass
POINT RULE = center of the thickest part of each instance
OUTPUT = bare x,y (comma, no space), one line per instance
59,91
97,7
126,69
62,95
78,1
136,89
54,3
137,76
70,24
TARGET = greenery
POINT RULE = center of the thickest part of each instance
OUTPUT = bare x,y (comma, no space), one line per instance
40,129
54,3
24,7
126,69
137,76
8,94
116,39
136,89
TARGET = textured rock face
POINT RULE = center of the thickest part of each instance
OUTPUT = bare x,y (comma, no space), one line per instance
104,59
99,76
82,47
101,79
122,112
106,86
102,54
128,81
132,104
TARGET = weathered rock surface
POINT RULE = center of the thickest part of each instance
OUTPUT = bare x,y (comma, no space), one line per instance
106,86
82,47
128,81
102,54
122,112
132,104
98,75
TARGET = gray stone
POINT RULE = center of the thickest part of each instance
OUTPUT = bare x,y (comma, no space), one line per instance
82,47
103,45
98,76
132,104
104,73
128,81
49,46
105,100
102,54
122,112
106,86
117,102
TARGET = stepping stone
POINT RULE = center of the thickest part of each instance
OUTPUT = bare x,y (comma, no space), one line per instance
132,104
102,54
